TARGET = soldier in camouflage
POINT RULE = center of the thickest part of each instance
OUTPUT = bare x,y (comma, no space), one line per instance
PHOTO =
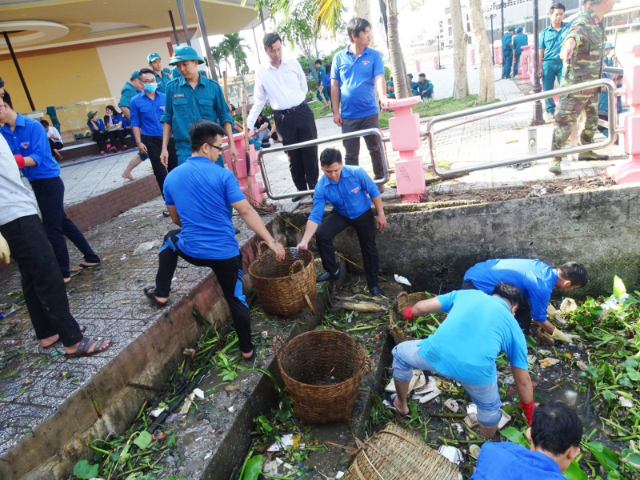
582,52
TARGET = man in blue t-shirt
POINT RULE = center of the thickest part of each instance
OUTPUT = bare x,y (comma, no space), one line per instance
519,40
198,195
536,280
350,190
507,52
549,47
465,347
554,437
356,73
30,147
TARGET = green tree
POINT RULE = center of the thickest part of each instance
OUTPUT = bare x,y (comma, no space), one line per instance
218,54
233,45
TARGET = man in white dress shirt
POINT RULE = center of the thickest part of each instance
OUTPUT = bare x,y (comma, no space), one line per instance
284,84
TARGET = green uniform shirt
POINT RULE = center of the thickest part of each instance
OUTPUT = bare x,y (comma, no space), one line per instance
586,62
163,80
551,40
184,105
126,94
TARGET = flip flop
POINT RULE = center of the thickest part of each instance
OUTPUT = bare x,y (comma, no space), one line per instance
82,329
388,403
84,266
85,345
150,292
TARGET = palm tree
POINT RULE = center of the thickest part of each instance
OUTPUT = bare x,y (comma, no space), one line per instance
479,33
460,83
218,54
234,44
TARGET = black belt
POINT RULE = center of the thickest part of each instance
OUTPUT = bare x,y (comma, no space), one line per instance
292,109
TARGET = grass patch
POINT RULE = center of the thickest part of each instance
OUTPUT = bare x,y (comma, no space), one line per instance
318,109
437,107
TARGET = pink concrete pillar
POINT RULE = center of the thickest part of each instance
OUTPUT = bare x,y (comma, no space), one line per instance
435,63
630,172
473,56
417,65
404,130
524,69
497,56
257,187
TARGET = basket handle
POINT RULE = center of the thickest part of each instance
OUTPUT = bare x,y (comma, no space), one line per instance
274,343
401,295
309,304
299,264
260,245
366,364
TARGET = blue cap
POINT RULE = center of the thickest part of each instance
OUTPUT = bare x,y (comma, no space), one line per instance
135,75
390,83
519,29
152,56
410,75
511,29
185,53
608,45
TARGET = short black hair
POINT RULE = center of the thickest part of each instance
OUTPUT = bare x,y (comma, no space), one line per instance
203,131
555,427
556,6
146,70
318,61
329,156
44,123
574,272
510,292
355,26
328,67
269,39
422,75
113,109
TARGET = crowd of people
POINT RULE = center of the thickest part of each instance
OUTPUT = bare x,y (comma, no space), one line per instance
179,119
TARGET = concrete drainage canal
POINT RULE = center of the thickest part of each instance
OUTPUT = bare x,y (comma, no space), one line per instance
217,417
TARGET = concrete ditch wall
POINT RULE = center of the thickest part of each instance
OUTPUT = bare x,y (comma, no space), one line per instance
433,245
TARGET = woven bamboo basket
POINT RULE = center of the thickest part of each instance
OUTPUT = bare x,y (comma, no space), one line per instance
395,454
284,287
396,313
322,370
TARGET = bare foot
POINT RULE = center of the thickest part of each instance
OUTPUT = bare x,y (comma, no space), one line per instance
128,175
400,410
47,342
67,279
246,356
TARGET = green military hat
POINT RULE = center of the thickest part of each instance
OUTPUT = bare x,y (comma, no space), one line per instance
519,29
152,57
184,53
135,75
91,114
608,45
593,2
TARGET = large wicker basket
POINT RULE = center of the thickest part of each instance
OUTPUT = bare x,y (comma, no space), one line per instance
395,454
284,287
322,370
396,313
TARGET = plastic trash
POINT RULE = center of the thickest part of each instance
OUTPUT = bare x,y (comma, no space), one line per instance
402,280
145,247
474,451
451,453
418,380
452,405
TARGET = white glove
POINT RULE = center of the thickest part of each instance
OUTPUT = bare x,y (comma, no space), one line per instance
4,250
551,311
560,336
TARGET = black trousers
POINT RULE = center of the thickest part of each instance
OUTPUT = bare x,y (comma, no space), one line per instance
55,145
523,313
49,194
101,139
295,126
154,149
352,145
42,285
229,274
114,135
365,227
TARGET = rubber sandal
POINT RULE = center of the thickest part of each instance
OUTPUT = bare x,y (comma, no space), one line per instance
82,329
251,358
165,213
388,403
150,292
84,266
85,345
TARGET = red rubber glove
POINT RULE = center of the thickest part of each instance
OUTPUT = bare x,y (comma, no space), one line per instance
528,410
407,313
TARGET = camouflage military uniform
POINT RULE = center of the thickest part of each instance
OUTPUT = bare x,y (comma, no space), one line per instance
584,65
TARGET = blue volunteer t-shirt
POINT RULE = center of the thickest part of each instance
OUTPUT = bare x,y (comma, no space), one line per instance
477,329
357,81
202,191
508,461
551,40
534,278
350,196
146,113
29,139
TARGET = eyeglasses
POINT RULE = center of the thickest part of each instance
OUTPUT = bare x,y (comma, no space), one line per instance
215,146
148,82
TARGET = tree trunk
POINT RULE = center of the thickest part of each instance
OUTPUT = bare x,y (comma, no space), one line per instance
362,9
460,84
398,73
481,41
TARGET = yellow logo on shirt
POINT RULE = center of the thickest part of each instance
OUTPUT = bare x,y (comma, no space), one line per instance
355,190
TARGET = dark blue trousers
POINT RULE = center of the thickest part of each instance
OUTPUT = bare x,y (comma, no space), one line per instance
49,194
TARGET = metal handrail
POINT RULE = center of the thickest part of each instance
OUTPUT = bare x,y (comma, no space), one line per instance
603,82
311,143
